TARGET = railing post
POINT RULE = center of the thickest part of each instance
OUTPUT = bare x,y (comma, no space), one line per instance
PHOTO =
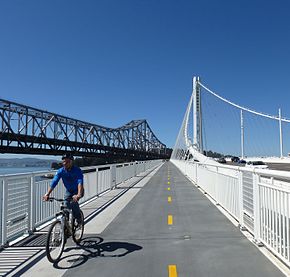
196,165
216,191
241,200
256,202
32,204
197,172
97,181
4,212
113,176
122,172
1,213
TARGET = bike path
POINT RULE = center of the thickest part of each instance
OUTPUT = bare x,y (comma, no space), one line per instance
28,254
169,229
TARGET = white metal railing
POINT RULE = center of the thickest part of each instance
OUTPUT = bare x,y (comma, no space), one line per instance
22,209
258,199
1,213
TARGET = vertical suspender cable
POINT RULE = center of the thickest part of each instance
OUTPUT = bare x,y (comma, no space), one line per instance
242,134
280,131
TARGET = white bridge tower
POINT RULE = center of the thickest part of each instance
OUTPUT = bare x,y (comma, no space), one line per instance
197,115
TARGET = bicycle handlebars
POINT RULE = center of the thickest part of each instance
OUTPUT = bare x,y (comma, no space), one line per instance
56,199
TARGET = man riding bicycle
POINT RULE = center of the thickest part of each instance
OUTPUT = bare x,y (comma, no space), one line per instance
72,178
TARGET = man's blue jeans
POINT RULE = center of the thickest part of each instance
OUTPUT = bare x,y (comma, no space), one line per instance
73,205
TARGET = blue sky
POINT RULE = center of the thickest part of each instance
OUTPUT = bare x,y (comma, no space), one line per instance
108,62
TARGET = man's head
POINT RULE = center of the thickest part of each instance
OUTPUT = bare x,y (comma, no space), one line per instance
67,160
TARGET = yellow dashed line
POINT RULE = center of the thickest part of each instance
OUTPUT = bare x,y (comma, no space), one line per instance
172,271
170,219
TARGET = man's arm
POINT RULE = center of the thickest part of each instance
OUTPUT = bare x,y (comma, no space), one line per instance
80,193
80,186
54,182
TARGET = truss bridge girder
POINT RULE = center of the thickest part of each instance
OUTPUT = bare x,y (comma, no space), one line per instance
28,130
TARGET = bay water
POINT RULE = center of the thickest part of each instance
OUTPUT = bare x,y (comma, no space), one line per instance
14,170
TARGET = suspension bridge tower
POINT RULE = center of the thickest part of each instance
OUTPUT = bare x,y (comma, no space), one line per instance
197,115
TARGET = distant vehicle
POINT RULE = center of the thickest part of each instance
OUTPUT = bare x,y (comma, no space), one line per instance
222,160
242,162
257,164
235,159
228,158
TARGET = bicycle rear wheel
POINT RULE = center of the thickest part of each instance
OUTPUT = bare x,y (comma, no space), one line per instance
78,229
55,242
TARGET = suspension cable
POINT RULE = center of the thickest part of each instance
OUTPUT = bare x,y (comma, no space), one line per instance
243,108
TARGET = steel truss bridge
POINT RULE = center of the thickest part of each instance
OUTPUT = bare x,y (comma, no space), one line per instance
33,131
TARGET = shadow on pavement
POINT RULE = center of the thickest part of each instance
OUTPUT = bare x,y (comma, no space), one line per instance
94,247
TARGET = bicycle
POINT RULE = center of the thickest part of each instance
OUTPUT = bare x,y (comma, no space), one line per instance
61,229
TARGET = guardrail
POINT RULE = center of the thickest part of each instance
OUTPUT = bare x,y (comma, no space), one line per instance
259,199
22,209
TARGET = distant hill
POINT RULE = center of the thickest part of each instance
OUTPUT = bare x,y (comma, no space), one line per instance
26,162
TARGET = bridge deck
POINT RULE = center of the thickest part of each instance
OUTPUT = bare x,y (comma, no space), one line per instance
139,241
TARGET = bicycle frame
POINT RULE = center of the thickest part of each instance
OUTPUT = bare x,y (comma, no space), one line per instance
65,216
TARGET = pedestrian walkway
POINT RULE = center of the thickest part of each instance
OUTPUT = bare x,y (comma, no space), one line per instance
163,226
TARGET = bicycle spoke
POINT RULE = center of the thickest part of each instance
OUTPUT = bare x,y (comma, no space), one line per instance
55,242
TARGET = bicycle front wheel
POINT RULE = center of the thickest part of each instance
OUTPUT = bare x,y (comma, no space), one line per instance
55,242
78,229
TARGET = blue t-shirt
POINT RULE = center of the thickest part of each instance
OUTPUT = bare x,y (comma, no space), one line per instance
71,179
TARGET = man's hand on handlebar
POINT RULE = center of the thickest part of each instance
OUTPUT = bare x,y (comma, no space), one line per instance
45,197
76,198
